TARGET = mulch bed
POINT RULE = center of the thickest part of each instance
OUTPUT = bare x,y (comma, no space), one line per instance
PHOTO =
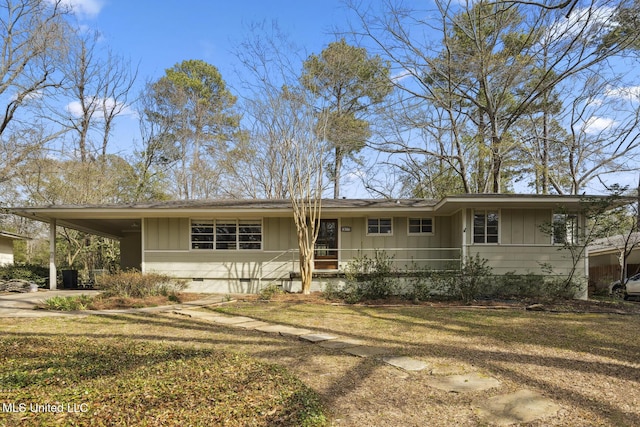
560,306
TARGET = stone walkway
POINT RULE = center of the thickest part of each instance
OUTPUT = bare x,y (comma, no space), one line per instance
521,406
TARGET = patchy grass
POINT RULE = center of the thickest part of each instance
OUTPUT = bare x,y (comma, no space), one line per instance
585,362
106,382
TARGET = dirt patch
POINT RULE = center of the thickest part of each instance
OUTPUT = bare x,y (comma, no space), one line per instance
561,306
118,303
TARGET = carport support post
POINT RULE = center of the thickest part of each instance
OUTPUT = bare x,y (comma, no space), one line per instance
52,255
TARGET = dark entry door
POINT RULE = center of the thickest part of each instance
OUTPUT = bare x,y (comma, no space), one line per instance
326,253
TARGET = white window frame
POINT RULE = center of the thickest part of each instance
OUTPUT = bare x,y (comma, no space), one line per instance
204,223
421,233
485,234
390,219
237,243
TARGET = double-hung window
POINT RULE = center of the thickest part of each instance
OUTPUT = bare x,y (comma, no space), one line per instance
420,225
565,229
377,226
226,234
486,225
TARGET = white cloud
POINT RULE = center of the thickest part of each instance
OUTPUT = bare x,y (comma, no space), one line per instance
595,19
630,93
404,74
75,108
36,94
84,8
597,124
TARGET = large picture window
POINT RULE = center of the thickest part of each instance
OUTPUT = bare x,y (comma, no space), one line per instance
486,224
226,234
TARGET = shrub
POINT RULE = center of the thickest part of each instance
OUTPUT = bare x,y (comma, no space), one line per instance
31,273
469,283
133,284
70,303
420,283
368,279
269,292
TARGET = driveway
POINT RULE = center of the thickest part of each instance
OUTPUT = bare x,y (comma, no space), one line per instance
24,304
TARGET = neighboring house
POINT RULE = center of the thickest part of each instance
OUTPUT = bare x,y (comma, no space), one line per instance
6,246
605,259
242,245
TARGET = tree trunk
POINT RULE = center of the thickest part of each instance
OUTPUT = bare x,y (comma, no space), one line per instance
336,174
496,163
306,271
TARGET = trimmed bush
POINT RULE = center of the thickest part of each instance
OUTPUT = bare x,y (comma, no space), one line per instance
133,284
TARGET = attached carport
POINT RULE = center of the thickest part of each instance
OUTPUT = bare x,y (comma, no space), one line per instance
118,223
126,222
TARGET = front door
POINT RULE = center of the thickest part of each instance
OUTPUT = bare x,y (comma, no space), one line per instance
326,250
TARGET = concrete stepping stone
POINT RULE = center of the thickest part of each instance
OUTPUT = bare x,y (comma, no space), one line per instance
406,363
523,406
463,383
443,369
366,351
317,337
283,330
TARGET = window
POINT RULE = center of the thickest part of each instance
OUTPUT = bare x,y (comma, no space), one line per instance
485,226
379,226
249,234
226,234
420,225
565,229
202,234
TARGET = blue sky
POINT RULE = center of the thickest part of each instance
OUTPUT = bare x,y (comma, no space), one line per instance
159,34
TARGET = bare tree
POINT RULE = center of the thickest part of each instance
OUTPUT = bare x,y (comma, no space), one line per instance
96,92
269,63
33,46
33,43
492,64
304,169
285,129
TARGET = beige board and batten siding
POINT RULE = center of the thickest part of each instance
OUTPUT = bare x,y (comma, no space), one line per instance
524,246
406,249
525,226
168,250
